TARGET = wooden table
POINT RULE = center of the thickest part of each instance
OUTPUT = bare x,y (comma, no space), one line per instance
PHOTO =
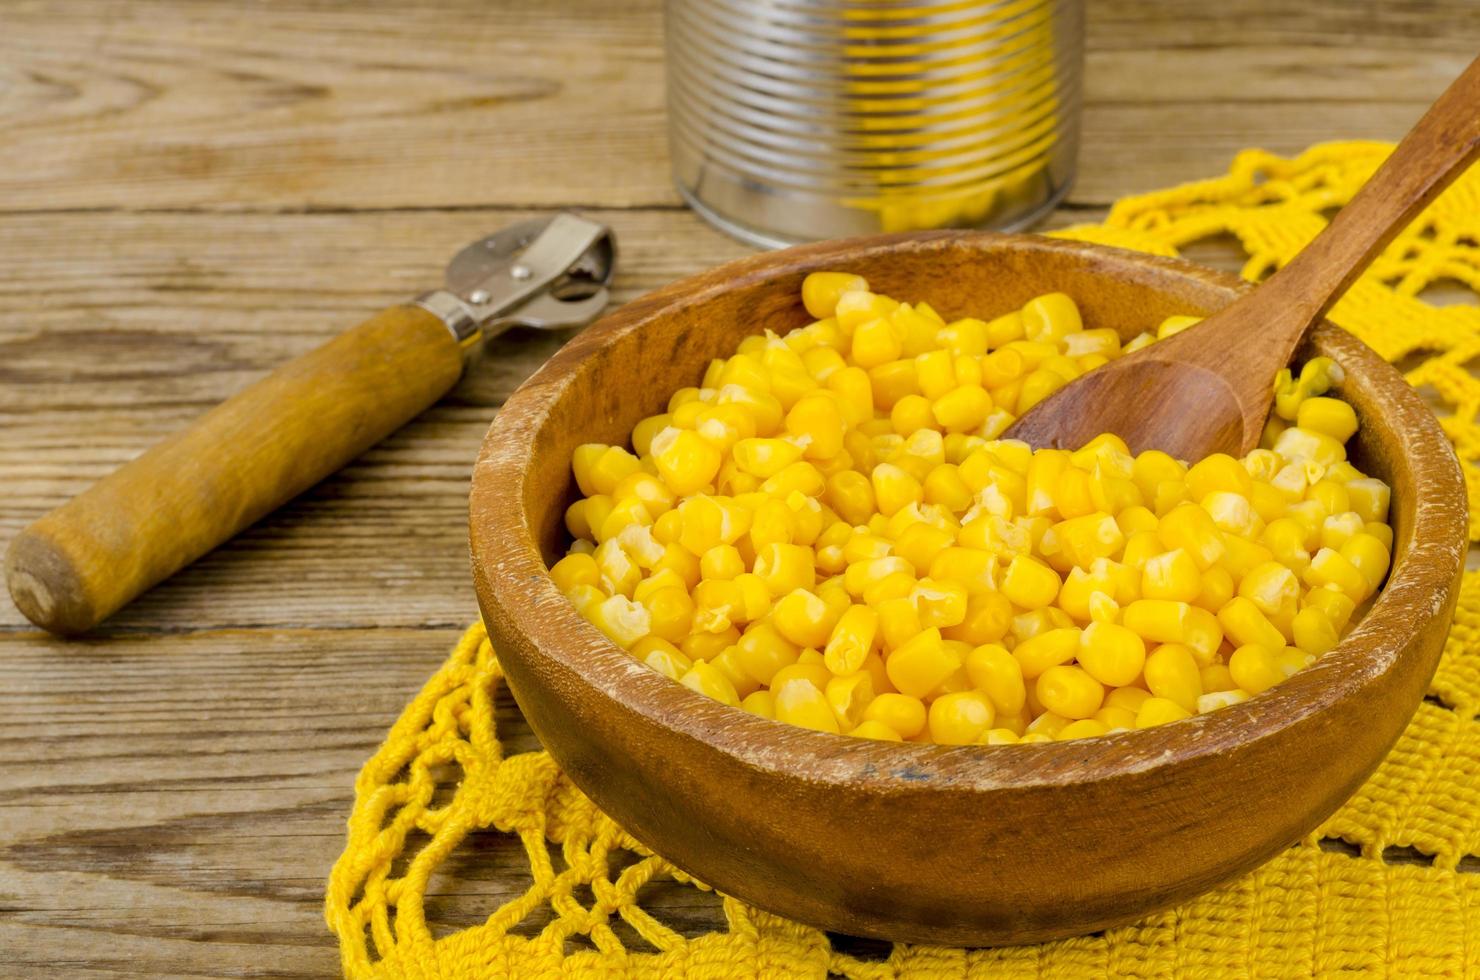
191,193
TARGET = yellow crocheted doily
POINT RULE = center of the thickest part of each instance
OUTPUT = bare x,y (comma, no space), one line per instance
1385,888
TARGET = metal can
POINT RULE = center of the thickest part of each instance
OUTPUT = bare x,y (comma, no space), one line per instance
795,120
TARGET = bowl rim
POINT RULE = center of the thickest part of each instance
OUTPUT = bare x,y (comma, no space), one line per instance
513,580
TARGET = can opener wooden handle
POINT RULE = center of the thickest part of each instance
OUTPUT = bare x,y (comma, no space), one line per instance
265,445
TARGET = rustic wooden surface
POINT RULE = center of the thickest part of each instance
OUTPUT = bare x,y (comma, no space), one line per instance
191,192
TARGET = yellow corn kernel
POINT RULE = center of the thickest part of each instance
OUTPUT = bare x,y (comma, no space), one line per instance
727,664
799,702
644,431
1160,711
962,409
719,604
761,703
1254,668
817,422
1337,605
723,561
945,486
848,697
573,570
960,718
1220,699
1244,624
681,562
1328,567
1172,673
668,528
1174,325
1069,691
1050,318
1368,555
988,618
1292,660
643,486
899,622
1171,575
1136,519
996,673
1029,583
875,343
1115,718
920,544
599,468
998,736
785,568
853,638
1271,587
1331,417
1046,724
1050,648
1218,472
765,458
686,461
803,618
821,290
919,666
763,651
1158,620
876,730
671,613
1370,498
905,715
1083,728
706,646
973,570
1188,526
1036,386
708,681
1215,677
1005,329
1084,539
851,494
583,517
1129,698
965,336
661,656
1297,444
1111,654
1313,631
894,488
1338,529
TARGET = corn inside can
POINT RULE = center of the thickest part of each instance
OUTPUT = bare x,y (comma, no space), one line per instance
797,120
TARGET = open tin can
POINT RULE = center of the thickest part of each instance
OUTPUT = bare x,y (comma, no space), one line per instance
795,120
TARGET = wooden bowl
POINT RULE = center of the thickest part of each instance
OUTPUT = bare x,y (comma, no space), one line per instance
970,845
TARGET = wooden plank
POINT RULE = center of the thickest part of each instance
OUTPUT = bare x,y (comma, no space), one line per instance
315,104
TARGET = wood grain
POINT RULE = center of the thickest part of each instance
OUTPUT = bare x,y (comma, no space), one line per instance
193,192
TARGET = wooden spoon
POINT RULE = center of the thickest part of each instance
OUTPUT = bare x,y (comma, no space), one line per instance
1209,388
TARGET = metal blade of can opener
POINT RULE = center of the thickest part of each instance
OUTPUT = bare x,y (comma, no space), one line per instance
549,274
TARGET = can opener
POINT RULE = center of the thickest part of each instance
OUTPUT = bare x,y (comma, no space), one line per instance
270,442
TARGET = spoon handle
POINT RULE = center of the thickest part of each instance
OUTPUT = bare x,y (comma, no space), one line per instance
1435,152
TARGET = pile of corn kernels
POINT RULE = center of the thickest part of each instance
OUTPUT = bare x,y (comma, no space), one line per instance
827,532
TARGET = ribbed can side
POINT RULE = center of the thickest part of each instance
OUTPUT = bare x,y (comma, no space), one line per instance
793,120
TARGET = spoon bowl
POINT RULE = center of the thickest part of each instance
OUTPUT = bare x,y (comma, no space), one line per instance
969,845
